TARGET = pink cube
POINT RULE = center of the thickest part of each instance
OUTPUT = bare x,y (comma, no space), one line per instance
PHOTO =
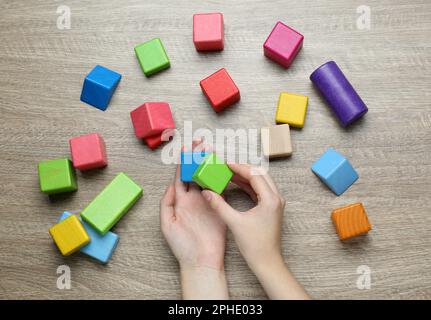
152,118
208,31
283,44
88,152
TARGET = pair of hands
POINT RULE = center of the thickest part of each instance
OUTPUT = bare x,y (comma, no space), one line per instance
195,222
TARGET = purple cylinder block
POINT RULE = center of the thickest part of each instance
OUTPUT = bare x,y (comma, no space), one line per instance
339,93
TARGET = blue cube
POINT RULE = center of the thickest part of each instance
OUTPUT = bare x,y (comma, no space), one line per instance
100,247
190,161
335,171
99,86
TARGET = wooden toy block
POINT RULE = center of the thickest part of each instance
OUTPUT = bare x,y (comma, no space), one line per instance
335,171
291,109
88,152
152,118
100,247
213,174
154,141
99,86
220,90
190,161
152,57
208,31
276,141
283,44
57,176
112,203
69,235
351,221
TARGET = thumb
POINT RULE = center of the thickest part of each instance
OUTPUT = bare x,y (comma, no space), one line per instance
219,205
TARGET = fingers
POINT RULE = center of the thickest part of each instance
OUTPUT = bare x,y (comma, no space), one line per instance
255,177
167,212
244,185
180,187
221,207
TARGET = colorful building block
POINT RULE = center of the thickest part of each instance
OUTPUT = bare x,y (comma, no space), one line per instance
99,86
291,109
152,118
152,57
57,176
100,247
213,174
88,152
283,44
208,31
276,141
112,203
69,235
190,161
220,90
339,93
335,171
351,221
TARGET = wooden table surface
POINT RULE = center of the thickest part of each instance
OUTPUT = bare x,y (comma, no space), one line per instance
42,69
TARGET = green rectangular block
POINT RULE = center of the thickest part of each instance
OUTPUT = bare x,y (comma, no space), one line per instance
213,174
152,56
57,176
112,203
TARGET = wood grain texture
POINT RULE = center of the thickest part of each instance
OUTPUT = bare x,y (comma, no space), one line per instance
42,69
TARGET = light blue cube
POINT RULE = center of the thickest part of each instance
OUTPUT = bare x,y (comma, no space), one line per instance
100,247
190,161
335,171
99,86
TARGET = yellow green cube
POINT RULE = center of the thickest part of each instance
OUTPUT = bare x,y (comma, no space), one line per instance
213,174
57,176
291,109
152,56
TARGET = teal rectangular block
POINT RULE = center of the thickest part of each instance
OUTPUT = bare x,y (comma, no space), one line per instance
100,247
112,203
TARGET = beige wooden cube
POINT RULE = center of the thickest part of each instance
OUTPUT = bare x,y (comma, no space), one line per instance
276,141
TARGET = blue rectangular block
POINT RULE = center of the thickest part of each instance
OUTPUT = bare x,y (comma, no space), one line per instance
190,161
99,86
335,171
100,247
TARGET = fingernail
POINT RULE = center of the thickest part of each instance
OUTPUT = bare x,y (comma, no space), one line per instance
207,195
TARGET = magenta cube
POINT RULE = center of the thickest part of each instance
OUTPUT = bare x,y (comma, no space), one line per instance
283,44
88,152
208,31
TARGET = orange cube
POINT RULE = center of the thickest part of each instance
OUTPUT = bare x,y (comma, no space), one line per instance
351,221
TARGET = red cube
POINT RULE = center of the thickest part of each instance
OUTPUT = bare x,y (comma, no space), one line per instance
152,118
88,152
208,31
220,90
154,141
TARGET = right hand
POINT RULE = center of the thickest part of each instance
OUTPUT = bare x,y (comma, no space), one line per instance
257,232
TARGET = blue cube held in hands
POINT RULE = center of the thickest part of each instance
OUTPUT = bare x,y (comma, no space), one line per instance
100,247
335,171
99,86
190,161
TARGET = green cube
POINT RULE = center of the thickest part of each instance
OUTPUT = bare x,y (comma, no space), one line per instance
57,176
213,174
152,56
112,203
